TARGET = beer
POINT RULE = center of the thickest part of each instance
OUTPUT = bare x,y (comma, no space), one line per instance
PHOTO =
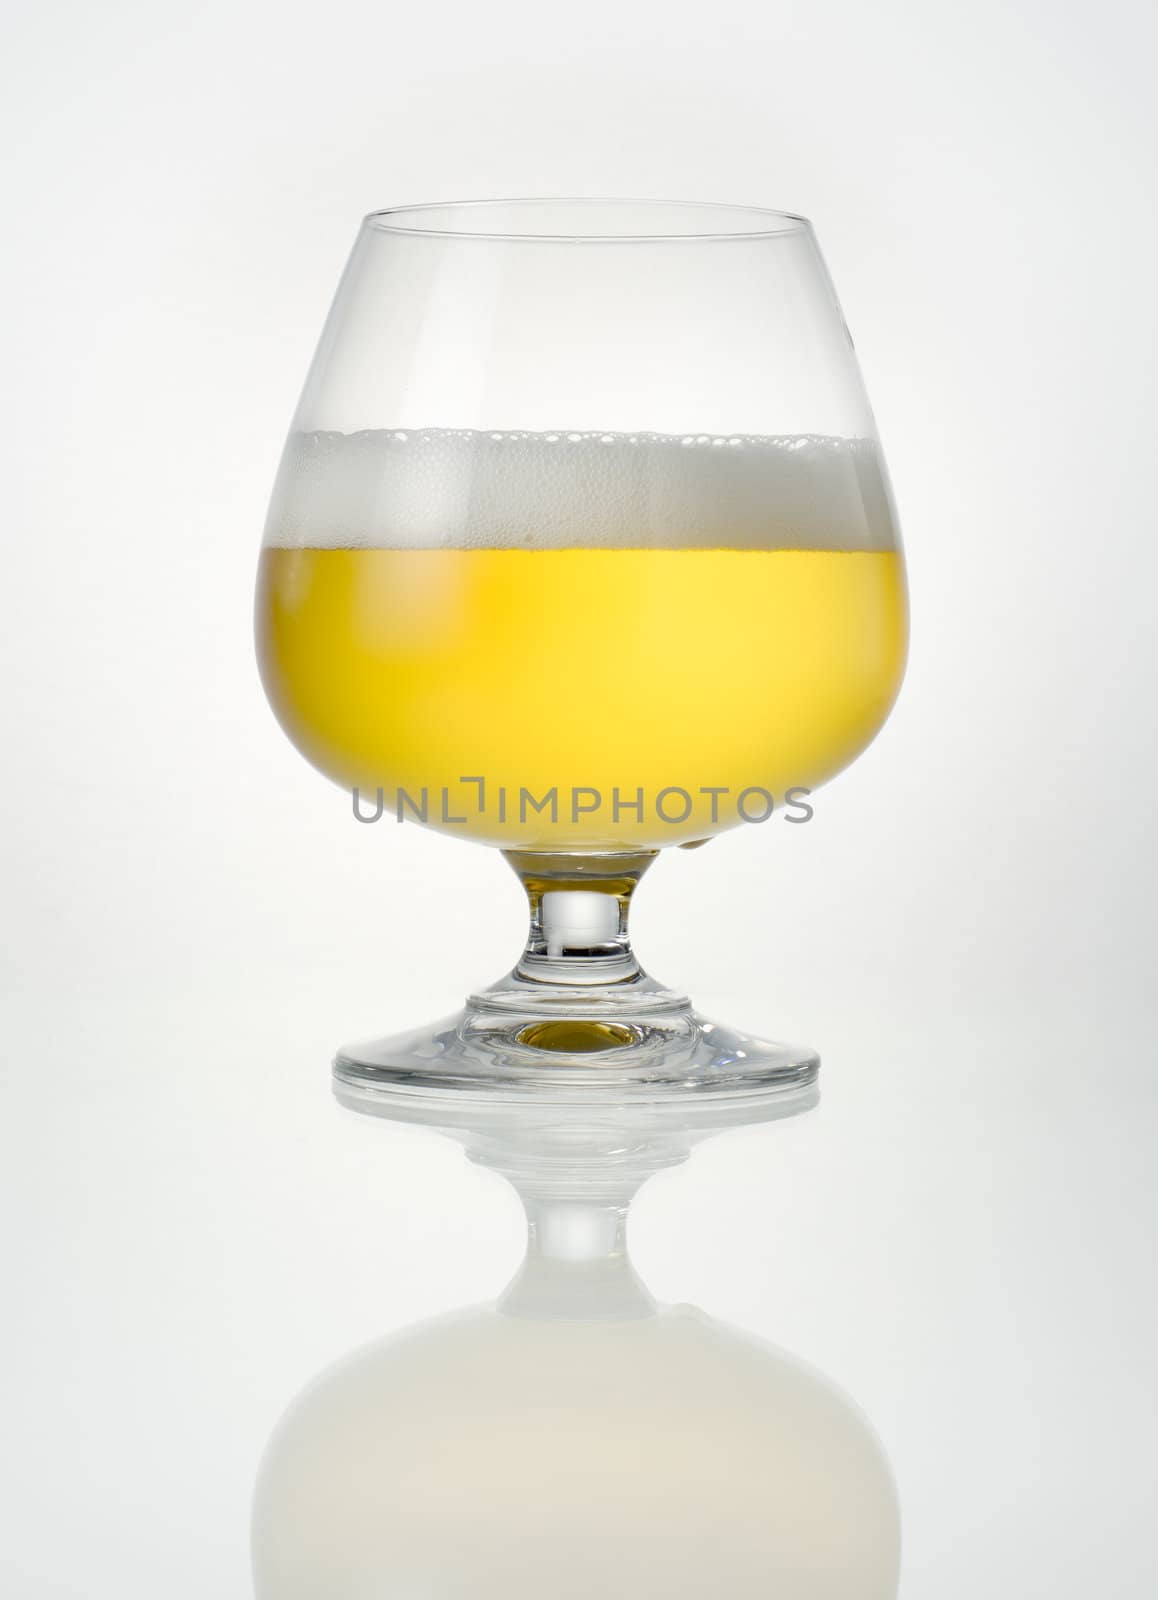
580,641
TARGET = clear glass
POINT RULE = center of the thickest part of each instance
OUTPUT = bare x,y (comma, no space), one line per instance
582,546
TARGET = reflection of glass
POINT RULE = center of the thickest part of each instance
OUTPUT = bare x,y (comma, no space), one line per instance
576,1439
582,545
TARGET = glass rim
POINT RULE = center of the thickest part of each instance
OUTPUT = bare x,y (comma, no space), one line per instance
748,222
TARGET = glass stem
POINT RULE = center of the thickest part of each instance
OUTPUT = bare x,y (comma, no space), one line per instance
579,908
577,987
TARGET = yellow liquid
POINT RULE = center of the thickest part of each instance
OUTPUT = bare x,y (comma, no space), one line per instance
580,670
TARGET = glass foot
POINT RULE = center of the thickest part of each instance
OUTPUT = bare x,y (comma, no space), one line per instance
578,1017
648,1056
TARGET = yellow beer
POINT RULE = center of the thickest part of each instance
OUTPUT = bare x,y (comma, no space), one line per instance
470,684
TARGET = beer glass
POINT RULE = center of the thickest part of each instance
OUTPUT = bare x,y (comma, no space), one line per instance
582,546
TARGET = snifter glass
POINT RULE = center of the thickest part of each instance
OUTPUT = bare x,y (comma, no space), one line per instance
582,545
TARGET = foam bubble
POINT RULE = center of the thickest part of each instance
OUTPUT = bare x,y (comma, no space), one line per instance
460,489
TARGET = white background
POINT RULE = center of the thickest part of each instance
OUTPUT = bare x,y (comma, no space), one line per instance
964,1234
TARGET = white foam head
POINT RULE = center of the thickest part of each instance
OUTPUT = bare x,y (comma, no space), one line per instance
461,489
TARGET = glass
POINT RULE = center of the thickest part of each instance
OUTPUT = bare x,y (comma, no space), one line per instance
582,545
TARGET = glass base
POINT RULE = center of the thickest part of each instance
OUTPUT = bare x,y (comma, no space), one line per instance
644,1052
578,1020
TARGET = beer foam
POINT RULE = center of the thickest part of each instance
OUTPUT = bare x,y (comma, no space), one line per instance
448,488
